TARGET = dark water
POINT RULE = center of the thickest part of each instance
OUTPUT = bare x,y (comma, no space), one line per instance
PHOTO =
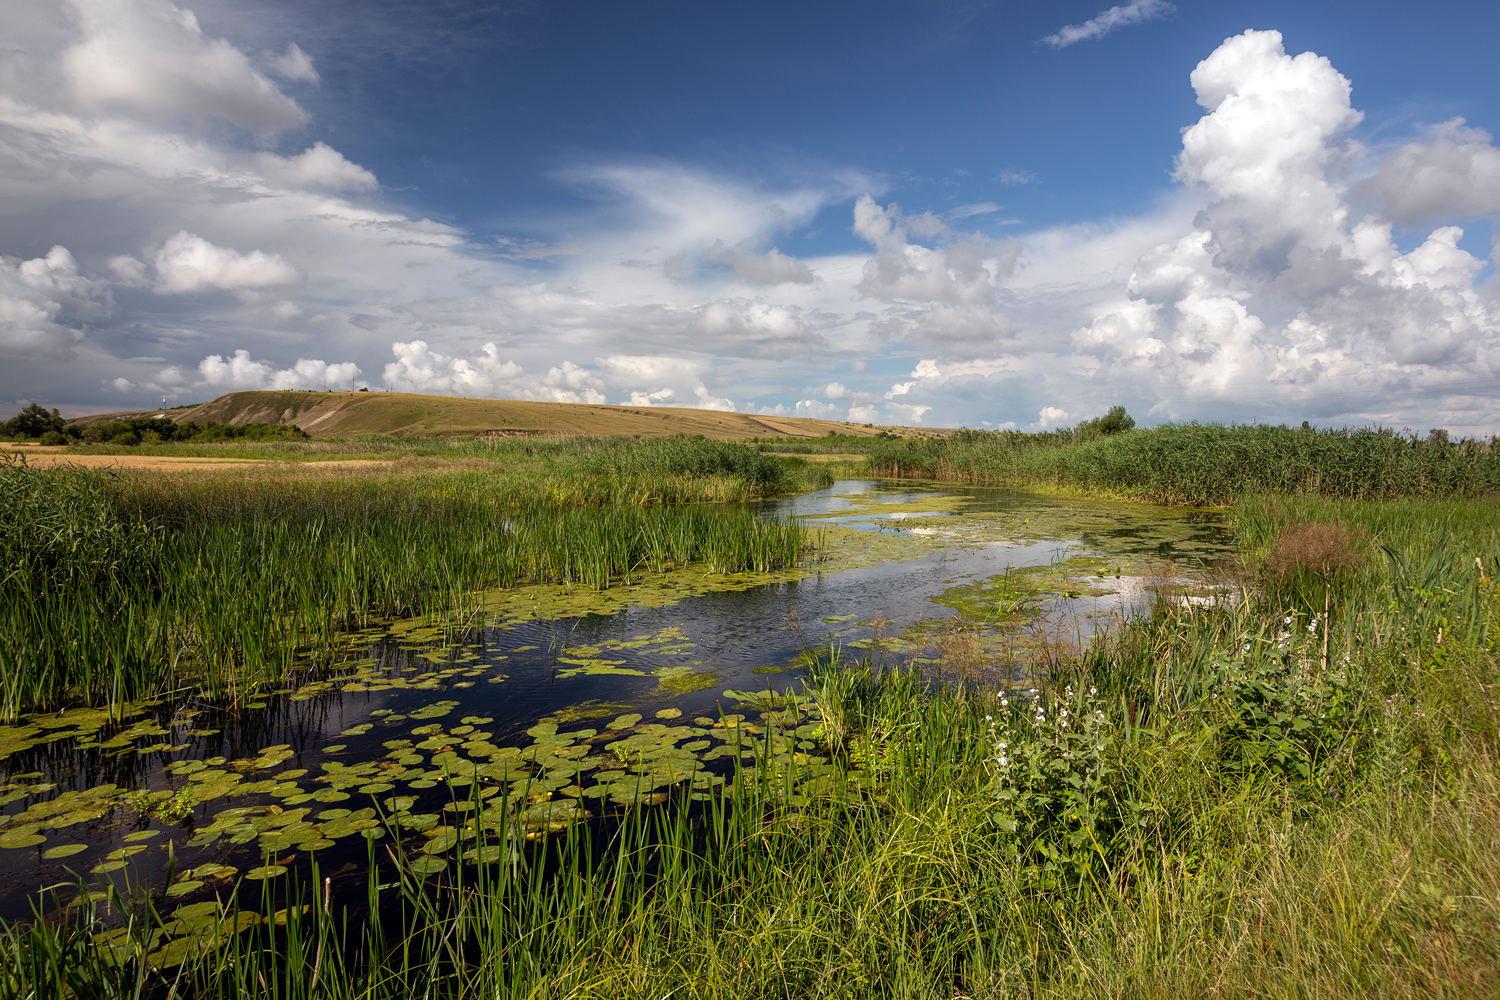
905,559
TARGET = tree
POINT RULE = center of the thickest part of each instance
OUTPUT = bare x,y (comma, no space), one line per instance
1116,421
33,422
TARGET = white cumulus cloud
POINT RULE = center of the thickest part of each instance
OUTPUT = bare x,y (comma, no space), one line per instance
188,263
1280,283
418,368
293,64
317,166
44,303
1454,172
218,374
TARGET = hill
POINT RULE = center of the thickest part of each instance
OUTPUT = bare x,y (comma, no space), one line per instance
344,414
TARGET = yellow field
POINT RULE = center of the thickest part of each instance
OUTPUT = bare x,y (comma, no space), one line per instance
344,414
41,457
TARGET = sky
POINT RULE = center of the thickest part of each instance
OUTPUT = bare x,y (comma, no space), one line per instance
937,212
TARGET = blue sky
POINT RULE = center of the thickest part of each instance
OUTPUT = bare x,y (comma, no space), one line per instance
978,214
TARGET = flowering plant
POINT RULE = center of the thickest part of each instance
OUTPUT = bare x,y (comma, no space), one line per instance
1280,705
1053,757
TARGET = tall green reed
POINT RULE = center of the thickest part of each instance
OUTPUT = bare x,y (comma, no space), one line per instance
125,586
1206,464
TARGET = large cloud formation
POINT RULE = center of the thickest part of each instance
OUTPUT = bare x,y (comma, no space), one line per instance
1280,284
166,232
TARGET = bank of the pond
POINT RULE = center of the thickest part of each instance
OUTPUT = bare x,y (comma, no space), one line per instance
1247,798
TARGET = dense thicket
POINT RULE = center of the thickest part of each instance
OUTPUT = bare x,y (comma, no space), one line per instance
162,430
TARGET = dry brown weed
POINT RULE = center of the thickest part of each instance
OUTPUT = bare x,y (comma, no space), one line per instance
1316,547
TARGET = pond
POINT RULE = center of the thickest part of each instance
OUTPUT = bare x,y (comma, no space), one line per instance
554,705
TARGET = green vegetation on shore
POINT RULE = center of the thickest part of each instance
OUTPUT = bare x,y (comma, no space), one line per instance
1290,793
1204,464
1293,790
118,586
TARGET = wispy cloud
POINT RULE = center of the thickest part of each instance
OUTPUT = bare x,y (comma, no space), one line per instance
966,211
1104,22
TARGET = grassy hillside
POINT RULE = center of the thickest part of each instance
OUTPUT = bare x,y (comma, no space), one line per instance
340,414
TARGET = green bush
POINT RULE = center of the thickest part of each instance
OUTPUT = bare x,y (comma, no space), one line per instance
53,438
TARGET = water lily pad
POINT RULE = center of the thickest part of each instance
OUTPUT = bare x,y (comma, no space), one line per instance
669,713
441,841
268,871
317,845
419,821
210,870
104,867
142,835
63,851
281,915
183,888
428,866
19,839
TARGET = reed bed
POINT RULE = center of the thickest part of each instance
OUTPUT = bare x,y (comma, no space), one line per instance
1206,464
1294,794
120,586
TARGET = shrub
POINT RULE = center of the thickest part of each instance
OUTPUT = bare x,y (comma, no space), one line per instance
52,438
128,438
1314,547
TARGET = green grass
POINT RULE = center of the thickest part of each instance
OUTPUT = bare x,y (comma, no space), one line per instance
1205,464
1217,801
677,456
118,587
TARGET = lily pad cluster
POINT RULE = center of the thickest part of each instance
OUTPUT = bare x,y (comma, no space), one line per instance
437,785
